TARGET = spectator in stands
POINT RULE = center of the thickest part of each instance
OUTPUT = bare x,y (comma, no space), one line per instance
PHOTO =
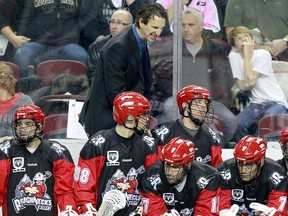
95,16
41,30
270,17
179,183
252,71
204,63
207,8
195,107
111,156
251,177
9,100
283,140
122,68
120,20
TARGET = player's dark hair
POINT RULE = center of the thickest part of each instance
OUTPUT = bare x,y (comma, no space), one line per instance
149,11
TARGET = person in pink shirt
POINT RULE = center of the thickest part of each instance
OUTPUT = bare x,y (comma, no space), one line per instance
9,100
207,7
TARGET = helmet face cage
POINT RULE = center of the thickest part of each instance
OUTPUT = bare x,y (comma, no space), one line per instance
33,113
250,150
200,113
192,95
283,140
131,103
178,155
174,174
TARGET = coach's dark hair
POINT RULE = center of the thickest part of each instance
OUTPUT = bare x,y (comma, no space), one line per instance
149,11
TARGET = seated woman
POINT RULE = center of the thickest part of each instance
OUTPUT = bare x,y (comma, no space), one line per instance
9,100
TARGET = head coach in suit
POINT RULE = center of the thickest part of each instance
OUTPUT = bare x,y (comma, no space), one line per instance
122,67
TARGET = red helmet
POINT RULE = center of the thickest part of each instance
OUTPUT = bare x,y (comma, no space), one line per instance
29,112
129,103
283,137
178,152
250,149
191,92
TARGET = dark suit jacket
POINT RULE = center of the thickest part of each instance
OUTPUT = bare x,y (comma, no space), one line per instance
120,69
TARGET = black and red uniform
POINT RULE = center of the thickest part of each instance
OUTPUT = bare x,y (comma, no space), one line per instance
269,188
197,195
19,193
282,162
205,140
104,163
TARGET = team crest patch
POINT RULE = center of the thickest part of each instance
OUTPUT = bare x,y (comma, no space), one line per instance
113,158
169,198
237,195
32,192
18,163
128,184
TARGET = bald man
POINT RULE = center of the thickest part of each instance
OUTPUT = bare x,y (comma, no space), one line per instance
120,20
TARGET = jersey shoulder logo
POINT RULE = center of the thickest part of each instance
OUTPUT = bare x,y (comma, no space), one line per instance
155,180
58,148
202,182
4,147
98,140
276,178
162,132
226,174
150,141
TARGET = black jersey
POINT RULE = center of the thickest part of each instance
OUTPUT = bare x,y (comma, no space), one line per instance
282,162
37,181
270,188
199,195
205,140
105,164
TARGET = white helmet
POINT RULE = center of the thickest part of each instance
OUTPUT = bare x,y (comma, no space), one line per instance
39,177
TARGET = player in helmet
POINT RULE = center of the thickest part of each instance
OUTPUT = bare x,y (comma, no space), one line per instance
283,140
194,103
117,156
132,111
28,124
41,168
251,177
179,182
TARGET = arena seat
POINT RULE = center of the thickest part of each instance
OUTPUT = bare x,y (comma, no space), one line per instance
271,126
15,68
48,70
55,126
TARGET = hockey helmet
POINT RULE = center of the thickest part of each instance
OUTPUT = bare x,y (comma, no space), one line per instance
129,103
178,152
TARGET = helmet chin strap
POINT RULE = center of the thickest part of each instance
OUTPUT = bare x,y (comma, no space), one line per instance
194,120
135,129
